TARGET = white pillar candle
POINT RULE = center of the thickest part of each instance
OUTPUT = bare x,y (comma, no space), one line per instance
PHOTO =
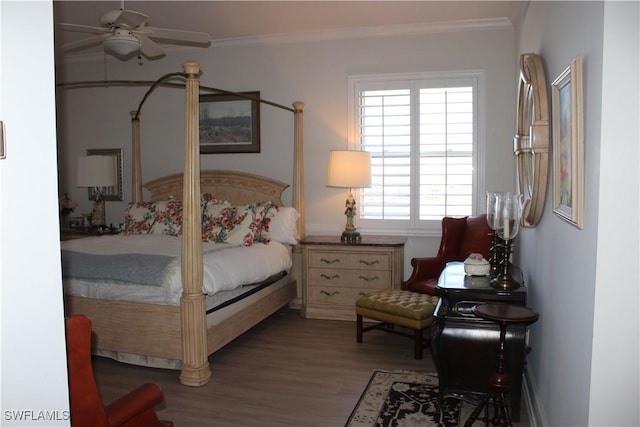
506,218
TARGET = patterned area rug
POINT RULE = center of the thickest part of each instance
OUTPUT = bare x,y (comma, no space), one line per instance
404,399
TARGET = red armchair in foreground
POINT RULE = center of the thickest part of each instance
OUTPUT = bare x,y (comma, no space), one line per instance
460,238
87,410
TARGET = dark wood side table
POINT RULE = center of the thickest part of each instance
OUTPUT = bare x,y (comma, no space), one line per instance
463,345
505,315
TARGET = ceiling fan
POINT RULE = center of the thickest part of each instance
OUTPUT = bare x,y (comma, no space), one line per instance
123,34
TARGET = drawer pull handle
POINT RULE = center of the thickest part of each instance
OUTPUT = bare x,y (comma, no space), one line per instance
369,279
329,294
330,261
365,262
327,277
465,308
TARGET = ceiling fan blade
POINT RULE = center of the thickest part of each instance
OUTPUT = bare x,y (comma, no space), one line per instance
88,42
84,28
130,19
176,36
149,48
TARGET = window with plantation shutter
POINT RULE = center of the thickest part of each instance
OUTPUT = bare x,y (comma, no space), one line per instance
421,133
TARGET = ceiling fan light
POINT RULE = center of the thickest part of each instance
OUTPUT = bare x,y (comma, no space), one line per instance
122,44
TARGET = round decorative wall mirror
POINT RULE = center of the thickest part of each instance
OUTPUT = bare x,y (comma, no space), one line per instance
531,142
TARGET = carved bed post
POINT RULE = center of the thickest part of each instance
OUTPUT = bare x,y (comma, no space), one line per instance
195,365
298,162
136,162
298,197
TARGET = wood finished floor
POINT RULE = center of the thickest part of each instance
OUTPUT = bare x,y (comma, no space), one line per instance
286,371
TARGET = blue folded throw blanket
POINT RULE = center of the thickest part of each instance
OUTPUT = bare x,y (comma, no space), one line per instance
142,269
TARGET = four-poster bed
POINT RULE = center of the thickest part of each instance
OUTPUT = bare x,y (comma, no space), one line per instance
187,333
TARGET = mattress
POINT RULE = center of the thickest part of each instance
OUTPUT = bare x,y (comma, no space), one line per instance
147,267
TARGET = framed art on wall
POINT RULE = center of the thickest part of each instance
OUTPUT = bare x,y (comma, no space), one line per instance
113,193
230,123
568,144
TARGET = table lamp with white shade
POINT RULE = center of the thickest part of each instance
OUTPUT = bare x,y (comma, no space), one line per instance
349,169
96,172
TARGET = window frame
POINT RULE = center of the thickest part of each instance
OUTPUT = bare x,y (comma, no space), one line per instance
475,78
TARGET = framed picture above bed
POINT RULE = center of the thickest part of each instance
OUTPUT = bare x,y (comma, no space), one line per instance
230,123
113,193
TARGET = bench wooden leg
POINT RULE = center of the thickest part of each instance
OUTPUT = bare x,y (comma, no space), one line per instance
358,328
417,344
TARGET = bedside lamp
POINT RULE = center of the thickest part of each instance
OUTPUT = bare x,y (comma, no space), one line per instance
349,169
96,172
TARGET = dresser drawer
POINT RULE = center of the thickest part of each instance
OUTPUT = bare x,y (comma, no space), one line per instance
346,260
336,296
374,279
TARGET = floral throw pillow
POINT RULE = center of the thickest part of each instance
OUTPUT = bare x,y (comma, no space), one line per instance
218,218
208,197
139,218
255,224
168,218
264,216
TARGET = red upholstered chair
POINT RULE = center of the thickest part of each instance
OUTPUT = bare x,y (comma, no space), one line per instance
87,410
460,238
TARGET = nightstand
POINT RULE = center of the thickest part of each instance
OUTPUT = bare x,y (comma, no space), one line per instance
81,234
336,274
72,236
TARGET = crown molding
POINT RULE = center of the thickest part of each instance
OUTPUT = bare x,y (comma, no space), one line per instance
334,34
370,32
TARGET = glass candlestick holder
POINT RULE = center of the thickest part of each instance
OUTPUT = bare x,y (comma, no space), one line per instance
496,254
494,207
508,225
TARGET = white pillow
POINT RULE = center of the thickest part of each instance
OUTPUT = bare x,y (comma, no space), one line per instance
282,227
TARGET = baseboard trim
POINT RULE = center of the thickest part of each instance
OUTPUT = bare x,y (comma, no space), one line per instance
532,402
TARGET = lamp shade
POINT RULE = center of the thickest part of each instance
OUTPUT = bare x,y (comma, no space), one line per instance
349,169
96,171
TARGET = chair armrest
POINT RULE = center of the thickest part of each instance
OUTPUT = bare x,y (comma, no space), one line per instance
426,268
137,407
424,276
423,287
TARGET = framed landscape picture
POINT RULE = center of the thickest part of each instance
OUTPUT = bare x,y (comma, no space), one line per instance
568,144
230,123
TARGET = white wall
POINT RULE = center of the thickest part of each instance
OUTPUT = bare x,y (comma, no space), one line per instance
584,362
312,72
33,352
618,254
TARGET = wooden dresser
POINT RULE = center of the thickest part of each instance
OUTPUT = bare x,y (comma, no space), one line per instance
335,274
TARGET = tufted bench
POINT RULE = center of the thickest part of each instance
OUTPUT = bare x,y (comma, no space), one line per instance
392,307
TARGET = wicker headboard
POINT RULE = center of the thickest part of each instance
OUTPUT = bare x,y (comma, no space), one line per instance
239,188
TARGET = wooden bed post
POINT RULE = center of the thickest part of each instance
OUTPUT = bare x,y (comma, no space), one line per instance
195,365
298,198
298,162
136,172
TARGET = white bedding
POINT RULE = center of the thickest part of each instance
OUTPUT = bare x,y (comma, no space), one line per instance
226,266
